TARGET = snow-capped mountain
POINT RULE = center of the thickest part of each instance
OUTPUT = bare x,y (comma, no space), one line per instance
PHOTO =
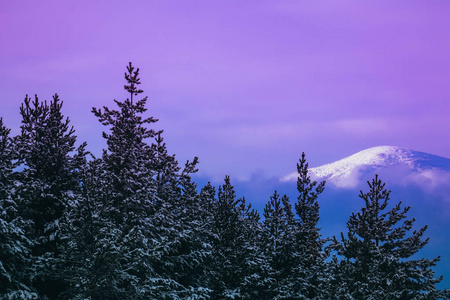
391,162
417,179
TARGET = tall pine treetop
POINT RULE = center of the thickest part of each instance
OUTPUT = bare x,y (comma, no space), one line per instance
133,80
47,139
129,113
6,154
377,253
128,151
307,206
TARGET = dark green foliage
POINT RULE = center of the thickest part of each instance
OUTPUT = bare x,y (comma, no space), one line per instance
377,252
14,257
153,205
129,159
14,245
236,231
7,164
45,186
132,225
91,258
227,268
253,283
307,209
292,244
278,237
44,145
310,279
168,184
192,216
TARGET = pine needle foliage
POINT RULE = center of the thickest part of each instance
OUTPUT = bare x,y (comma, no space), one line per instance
377,253
310,272
131,224
15,247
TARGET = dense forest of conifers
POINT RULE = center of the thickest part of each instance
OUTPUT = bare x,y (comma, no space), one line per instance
132,224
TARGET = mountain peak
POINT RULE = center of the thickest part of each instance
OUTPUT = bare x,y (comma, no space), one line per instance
348,171
375,157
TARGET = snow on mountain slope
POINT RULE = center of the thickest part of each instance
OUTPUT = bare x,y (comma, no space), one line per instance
397,163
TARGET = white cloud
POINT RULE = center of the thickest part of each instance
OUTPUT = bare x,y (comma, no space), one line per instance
362,126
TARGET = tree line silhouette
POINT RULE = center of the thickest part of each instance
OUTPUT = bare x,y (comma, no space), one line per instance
132,224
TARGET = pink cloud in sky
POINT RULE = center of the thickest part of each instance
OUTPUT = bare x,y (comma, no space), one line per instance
243,85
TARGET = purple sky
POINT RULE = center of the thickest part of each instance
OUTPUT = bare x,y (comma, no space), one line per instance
245,85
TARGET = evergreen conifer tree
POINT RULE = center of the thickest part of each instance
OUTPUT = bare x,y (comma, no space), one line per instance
15,271
45,144
194,234
253,283
166,168
236,234
208,200
310,257
140,231
7,164
129,159
278,241
293,244
228,242
47,182
150,200
377,254
93,257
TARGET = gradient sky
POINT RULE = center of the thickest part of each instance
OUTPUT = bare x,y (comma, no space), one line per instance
245,85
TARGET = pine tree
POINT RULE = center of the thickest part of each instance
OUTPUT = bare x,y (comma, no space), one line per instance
252,284
278,240
292,244
49,177
236,233
207,198
15,247
45,144
228,242
166,168
376,254
310,256
90,258
129,158
7,164
194,235
136,239
150,201
182,221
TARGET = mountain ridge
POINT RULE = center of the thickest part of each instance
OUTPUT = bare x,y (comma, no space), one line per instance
405,163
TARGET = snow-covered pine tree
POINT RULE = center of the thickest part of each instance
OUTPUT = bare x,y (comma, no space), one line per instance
234,245
376,254
227,244
129,158
95,252
14,245
188,261
141,227
166,167
253,283
310,257
45,145
147,194
47,181
7,161
208,201
278,247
